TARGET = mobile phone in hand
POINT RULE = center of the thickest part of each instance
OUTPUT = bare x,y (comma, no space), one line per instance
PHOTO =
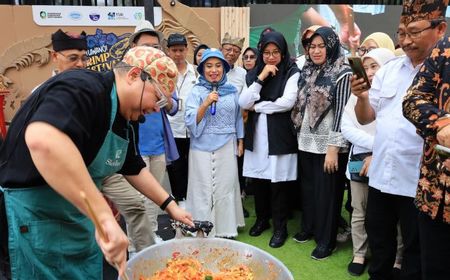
358,69
443,152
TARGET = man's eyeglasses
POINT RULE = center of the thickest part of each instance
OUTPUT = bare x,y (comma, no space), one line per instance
74,58
249,57
275,53
162,99
363,50
401,35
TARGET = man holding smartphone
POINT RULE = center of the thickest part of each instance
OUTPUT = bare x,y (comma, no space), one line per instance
393,175
432,121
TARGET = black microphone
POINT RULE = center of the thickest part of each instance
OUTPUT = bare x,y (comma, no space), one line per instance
141,119
213,105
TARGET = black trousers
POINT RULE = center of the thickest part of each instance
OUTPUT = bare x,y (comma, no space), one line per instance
383,213
178,170
272,201
435,247
322,195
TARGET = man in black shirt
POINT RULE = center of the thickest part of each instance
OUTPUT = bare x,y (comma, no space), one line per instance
70,134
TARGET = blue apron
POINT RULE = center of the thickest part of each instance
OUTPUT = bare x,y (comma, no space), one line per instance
48,237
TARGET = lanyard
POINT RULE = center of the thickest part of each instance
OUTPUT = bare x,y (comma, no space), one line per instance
182,82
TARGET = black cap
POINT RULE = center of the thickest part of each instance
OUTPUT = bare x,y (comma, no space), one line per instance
68,41
176,39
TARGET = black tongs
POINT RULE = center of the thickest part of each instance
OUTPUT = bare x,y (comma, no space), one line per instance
203,228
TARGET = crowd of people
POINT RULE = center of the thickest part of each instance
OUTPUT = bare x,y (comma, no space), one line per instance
306,126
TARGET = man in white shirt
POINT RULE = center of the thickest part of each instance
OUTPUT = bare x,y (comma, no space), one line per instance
187,77
397,150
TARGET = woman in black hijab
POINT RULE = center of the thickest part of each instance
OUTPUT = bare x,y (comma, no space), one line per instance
324,89
270,144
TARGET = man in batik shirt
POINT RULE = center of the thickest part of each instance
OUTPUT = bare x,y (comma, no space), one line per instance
427,106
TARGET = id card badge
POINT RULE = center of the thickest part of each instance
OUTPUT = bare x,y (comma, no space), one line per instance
180,104
355,166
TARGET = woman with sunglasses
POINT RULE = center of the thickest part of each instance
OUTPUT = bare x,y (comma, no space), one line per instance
249,58
214,120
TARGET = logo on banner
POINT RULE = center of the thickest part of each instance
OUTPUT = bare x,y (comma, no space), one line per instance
75,15
94,16
105,49
116,16
43,15
138,16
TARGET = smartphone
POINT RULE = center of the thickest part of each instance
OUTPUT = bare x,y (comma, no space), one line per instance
358,69
443,152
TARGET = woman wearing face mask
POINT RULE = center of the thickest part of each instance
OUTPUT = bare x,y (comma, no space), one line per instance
213,191
249,58
323,92
270,146
361,136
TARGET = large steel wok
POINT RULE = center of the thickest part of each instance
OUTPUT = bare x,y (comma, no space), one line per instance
215,253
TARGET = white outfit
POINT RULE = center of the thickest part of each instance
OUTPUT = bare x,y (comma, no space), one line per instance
236,77
185,83
258,163
397,149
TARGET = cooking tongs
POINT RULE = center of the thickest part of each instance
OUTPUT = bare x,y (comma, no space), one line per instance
202,228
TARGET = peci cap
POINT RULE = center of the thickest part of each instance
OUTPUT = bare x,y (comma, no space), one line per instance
68,41
238,42
160,67
208,53
145,26
176,39
415,10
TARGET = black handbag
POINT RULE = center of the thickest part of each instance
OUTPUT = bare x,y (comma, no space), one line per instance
354,166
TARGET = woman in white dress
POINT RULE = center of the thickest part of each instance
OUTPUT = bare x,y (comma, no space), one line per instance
214,120
270,156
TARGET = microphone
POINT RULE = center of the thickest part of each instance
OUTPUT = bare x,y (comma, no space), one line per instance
213,105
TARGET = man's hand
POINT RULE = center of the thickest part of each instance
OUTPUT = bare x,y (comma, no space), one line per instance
359,87
240,147
116,245
179,214
443,136
350,40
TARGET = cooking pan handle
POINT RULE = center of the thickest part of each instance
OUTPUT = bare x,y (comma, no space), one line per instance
203,228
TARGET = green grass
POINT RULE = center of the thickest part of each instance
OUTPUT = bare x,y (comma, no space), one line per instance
296,256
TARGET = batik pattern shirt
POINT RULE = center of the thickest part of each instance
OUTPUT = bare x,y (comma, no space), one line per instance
427,106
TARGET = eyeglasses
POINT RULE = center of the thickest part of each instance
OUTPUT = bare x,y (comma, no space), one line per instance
233,50
249,57
401,35
74,58
362,50
275,53
162,99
